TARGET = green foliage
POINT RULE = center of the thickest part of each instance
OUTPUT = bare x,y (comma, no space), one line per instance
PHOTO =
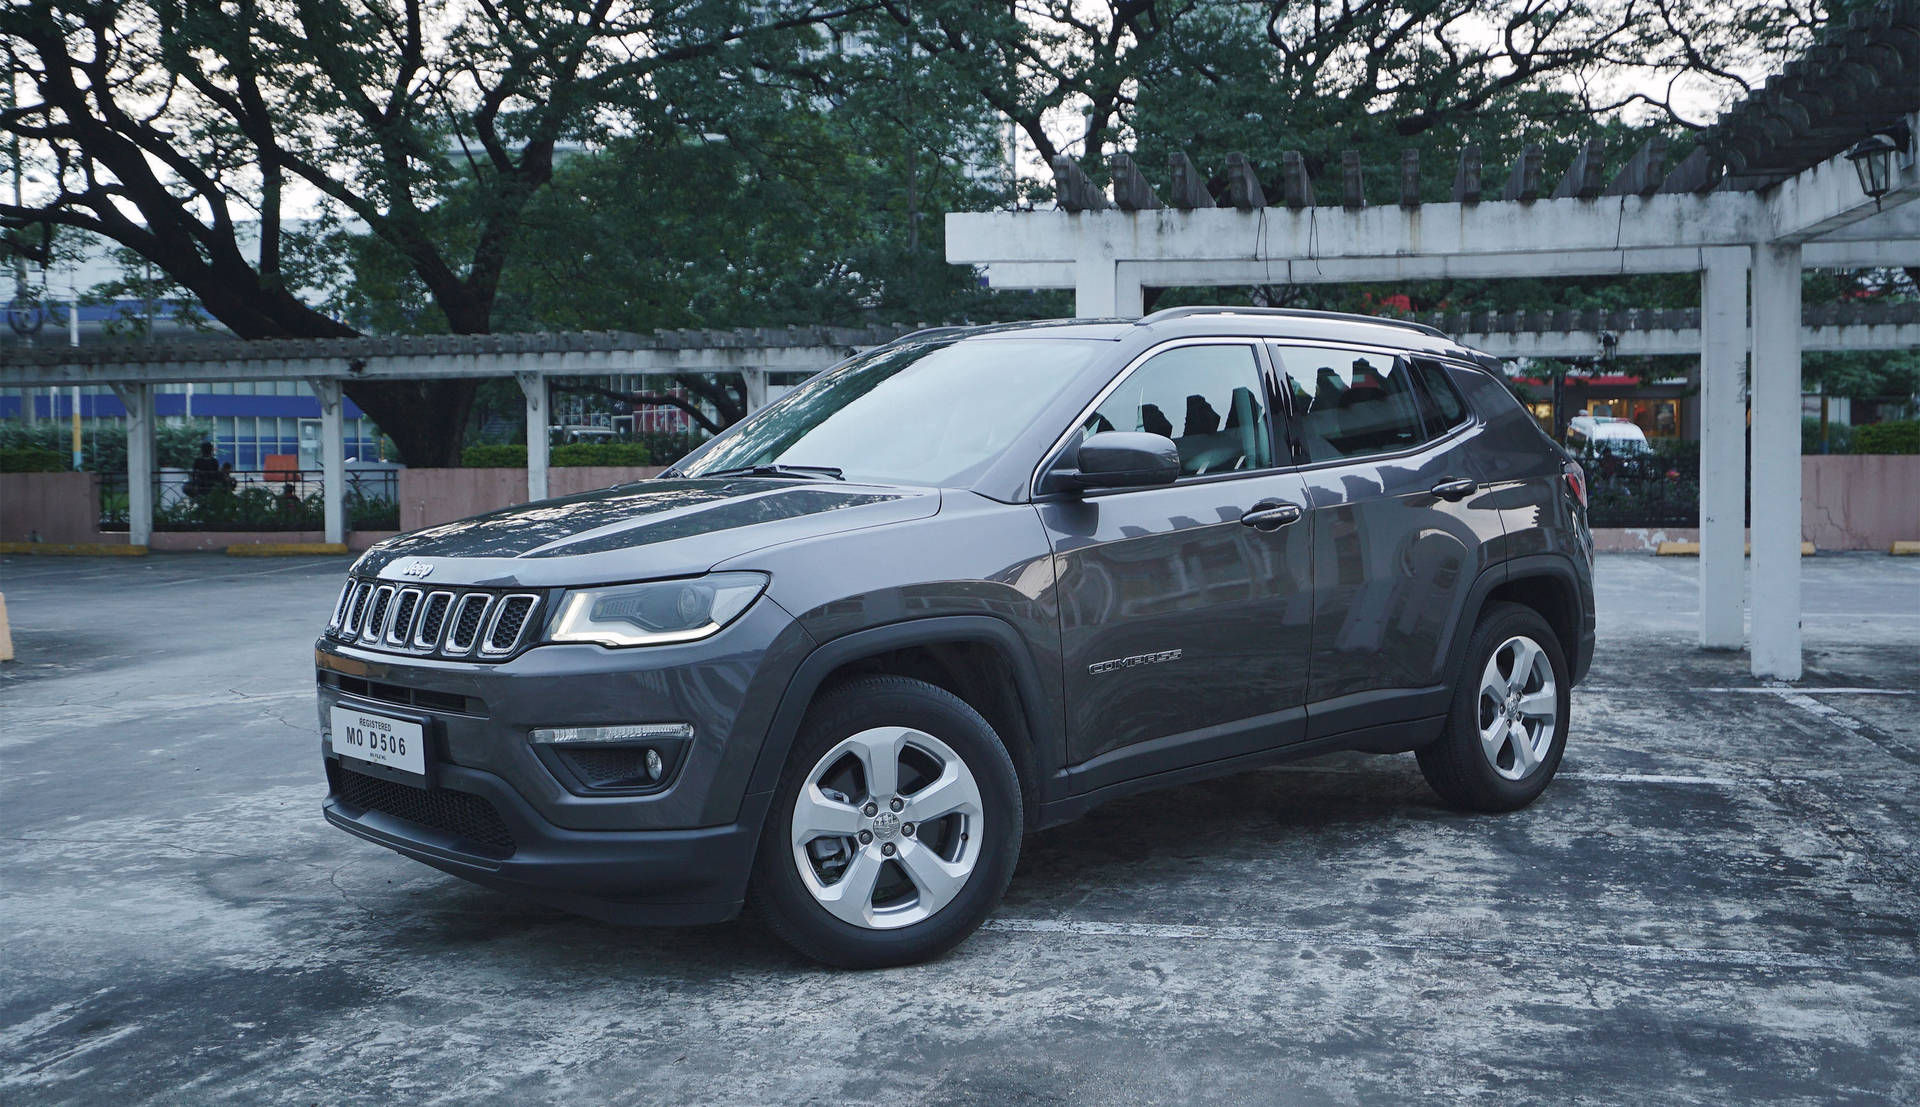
1887,438
104,450
251,508
30,459
573,454
1838,436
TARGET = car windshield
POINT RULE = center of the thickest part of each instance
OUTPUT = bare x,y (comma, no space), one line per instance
931,413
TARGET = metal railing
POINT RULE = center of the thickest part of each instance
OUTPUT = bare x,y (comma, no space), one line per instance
255,500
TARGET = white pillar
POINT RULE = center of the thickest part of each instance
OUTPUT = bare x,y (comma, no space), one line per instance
534,387
138,399
756,382
333,456
1101,291
1723,448
1775,651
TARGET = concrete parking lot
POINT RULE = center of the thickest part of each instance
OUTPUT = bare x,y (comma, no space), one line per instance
1716,902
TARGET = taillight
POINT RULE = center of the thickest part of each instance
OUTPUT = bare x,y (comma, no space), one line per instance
1576,478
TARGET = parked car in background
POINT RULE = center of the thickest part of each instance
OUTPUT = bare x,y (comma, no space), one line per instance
1592,435
840,659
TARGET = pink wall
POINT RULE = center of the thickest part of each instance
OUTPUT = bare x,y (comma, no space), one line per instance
1860,501
221,539
57,507
429,496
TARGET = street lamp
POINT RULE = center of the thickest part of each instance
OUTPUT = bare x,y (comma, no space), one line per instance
1872,158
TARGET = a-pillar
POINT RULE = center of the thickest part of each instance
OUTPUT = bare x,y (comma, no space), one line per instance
1775,650
1102,291
138,400
1723,448
333,456
534,387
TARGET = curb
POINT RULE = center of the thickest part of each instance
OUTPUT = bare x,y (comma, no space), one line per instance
74,549
1692,549
1905,549
6,632
285,549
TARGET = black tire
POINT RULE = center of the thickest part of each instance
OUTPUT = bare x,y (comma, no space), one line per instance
791,911
1455,765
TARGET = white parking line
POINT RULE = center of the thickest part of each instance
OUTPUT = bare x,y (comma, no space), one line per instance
1432,943
1658,778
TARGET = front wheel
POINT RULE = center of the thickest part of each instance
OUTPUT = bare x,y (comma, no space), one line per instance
894,830
1507,726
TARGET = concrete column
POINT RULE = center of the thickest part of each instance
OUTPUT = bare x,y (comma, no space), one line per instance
1100,291
1775,650
333,456
138,399
756,381
534,387
1723,448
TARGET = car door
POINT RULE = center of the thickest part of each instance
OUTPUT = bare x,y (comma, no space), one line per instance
1399,532
1184,608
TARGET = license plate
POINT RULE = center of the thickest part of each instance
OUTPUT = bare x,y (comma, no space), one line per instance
378,740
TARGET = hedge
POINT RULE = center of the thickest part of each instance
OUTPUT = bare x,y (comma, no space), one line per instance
29,459
572,454
1887,438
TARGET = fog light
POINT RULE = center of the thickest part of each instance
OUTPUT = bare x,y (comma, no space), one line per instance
654,765
633,733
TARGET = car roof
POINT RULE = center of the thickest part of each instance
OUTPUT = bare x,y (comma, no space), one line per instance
1186,322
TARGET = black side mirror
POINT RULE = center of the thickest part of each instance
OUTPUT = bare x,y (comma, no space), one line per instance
1117,459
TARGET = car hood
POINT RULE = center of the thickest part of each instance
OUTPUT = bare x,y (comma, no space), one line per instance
653,528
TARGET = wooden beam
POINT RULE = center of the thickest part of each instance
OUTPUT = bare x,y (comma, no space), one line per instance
1076,191
1353,191
1641,175
1697,172
1523,183
1410,177
1131,192
1466,179
1295,186
1583,177
1189,187
1243,184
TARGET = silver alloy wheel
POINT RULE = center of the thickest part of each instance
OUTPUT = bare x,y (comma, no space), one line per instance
1519,707
879,857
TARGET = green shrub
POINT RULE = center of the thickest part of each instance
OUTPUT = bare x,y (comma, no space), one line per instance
30,459
506,456
577,453
599,453
1887,438
1839,436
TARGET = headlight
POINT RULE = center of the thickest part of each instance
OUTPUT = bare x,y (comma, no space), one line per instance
656,612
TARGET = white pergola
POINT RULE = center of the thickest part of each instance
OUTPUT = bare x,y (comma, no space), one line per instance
1749,247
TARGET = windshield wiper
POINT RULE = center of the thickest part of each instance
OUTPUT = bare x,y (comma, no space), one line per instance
808,472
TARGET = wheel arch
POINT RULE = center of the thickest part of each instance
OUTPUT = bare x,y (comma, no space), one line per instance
1548,584
978,658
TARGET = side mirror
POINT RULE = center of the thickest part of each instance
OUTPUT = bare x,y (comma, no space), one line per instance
1117,459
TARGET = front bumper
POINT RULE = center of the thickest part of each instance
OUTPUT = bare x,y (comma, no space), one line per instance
496,812
666,877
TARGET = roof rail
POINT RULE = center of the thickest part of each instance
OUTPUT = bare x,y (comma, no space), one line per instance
1296,313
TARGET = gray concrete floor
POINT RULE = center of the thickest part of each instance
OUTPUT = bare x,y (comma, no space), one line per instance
1716,902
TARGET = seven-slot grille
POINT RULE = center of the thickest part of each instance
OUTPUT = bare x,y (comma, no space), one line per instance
473,623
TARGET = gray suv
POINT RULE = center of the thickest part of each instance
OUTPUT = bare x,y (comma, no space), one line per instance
967,585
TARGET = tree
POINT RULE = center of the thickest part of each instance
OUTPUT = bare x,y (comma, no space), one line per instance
177,127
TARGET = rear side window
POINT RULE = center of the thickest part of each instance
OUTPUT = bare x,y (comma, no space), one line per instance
1440,402
1350,404
1208,399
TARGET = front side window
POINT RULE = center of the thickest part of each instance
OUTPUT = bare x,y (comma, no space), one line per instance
1350,404
918,413
1208,399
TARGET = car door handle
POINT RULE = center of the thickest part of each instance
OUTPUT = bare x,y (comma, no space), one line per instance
1456,490
1270,515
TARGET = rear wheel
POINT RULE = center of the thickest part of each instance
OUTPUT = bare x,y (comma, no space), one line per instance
894,830
1506,728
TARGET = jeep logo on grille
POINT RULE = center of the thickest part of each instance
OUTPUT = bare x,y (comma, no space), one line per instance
417,570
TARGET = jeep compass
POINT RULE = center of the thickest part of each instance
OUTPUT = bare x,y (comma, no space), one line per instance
837,661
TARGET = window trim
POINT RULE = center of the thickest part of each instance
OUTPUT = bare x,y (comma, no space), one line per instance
1300,459
1263,369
